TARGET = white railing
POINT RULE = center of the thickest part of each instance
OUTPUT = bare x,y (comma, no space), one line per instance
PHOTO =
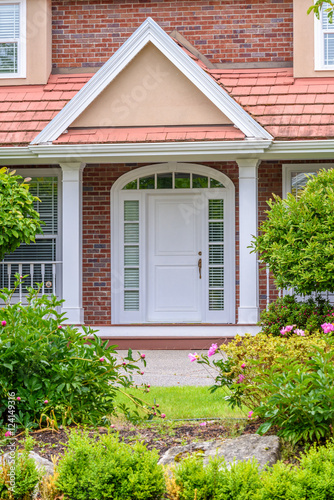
283,292
45,272
280,291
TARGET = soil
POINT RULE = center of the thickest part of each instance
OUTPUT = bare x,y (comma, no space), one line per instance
161,437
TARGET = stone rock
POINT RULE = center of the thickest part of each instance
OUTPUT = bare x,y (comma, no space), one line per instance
265,449
40,462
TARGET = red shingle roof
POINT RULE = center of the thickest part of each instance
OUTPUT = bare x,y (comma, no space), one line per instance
286,107
150,134
26,110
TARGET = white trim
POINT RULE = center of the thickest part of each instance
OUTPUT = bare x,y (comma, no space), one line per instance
181,151
151,32
21,46
72,242
319,45
248,311
50,172
228,193
163,331
287,169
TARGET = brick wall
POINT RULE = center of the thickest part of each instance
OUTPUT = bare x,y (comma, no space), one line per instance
97,272
86,33
270,181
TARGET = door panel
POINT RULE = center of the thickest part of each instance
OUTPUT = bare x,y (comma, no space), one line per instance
174,239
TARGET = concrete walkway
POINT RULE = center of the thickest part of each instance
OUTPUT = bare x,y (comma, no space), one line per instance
172,368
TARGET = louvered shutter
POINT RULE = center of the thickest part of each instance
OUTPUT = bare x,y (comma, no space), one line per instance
216,255
9,37
131,255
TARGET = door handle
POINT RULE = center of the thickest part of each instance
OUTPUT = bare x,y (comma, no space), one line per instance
200,268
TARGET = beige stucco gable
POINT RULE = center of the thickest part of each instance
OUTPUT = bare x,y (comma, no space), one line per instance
150,91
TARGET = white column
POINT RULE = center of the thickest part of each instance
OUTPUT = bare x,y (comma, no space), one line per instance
72,242
248,312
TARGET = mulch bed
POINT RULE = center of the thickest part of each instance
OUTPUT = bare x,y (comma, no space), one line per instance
161,437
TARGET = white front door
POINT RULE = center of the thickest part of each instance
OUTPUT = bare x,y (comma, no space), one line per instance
174,251
165,220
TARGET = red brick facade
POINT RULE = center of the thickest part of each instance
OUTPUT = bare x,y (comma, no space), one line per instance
86,33
97,272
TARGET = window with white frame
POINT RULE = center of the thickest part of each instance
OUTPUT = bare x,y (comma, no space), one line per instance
39,261
12,39
324,41
295,178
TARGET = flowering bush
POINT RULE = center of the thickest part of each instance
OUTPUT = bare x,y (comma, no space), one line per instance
54,375
287,380
301,396
309,315
245,360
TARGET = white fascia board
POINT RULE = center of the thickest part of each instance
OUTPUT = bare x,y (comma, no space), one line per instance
150,31
250,148
301,150
136,150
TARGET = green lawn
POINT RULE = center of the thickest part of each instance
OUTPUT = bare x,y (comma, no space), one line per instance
187,402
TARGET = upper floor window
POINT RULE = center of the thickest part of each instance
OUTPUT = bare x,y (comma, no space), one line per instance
12,38
324,41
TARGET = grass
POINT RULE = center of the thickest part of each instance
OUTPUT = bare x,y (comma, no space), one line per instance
186,402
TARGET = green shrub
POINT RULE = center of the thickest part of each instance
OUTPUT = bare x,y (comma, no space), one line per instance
312,480
108,469
19,476
19,221
309,315
217,480
295,238
301,401
50,372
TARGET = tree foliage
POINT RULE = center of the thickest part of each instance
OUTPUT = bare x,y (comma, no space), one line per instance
19,221
297,238
328,7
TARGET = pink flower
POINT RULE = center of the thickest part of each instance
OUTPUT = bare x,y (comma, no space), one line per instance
3,323
243,366
157,406
250,414
141,373
46,402
300,332
212,350
142,356
202,424
59,327
112,426
240,379
327,327
286,329
124,364
101,359
163,415
8,433
18,398
148,385
193,357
